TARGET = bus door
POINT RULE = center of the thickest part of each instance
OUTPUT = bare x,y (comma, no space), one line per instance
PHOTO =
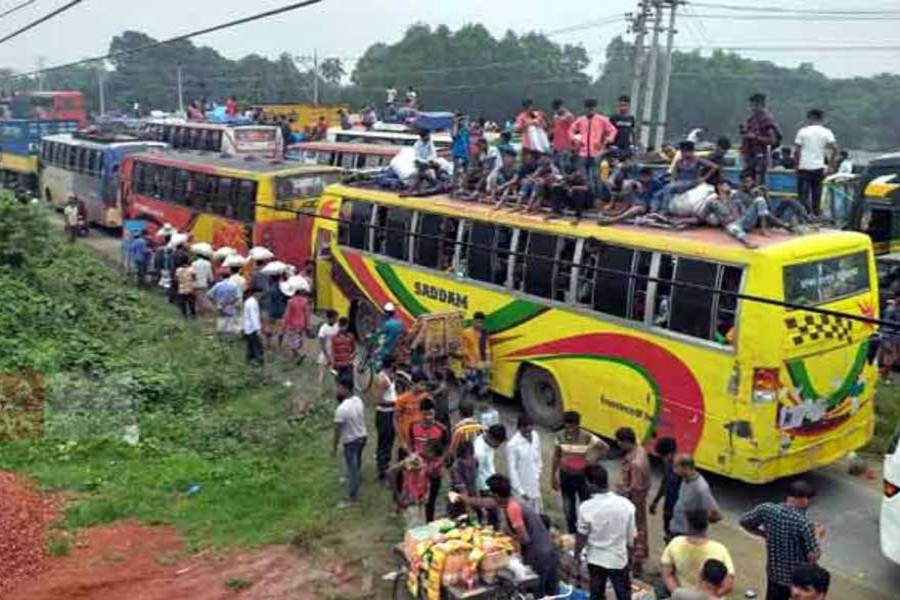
323,269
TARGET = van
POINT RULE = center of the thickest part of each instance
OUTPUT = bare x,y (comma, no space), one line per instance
890,506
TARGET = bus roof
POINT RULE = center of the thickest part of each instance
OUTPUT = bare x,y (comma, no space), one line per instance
697,241
886,159
205,124
248,164
117,141
380,149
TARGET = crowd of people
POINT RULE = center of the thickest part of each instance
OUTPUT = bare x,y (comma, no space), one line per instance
568,163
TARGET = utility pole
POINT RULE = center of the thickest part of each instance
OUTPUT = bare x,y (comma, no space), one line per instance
639,28
41,63
647,118
100,85
315,77
178,75
666,77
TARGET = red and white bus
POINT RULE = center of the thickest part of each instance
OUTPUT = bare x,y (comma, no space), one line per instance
47,106
227,138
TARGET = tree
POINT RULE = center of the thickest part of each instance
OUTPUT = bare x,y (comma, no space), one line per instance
332,70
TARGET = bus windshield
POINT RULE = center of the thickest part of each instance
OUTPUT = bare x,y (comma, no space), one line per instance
821,281
249,139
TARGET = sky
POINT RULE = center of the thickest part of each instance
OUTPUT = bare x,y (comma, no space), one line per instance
345,28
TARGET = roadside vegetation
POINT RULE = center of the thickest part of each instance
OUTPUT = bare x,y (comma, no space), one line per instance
149,417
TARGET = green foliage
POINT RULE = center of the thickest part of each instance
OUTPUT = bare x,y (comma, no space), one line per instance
236,584
887,419
712,92
113,358
23,233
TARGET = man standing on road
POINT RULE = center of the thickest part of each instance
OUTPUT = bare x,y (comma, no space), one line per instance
684,557
350,431
253,327
606,526
139,255
812,147
523,459
693,494
634,484
666,448
485,446
570,458
791,538
385,394
810,582
712,576
465,430
477,355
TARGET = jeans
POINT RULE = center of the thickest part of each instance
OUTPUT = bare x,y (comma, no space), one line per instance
593,174
384,425
777,591
434,488
353,459
141,273
663,198
621,582
187,305
574,490
254,348
809,188
547,570
791,211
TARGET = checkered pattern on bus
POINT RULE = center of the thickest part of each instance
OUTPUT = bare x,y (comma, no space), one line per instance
815,328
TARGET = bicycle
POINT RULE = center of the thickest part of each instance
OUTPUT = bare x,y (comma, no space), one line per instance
367,364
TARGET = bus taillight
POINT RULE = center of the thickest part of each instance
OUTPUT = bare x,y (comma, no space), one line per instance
765,385
890,490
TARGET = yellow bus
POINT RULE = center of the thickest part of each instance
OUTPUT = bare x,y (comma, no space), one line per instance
597,320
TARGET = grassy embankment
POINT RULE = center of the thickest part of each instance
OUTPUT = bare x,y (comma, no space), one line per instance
112,357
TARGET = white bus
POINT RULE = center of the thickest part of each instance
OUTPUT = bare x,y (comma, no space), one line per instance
231,139
890,506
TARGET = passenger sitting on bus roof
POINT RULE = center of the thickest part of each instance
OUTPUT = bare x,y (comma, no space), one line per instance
687,173
787,212
425,160
636,195
526,171
320,131
723,209
505,181
624,169
474,178
574,193
344,119
545,177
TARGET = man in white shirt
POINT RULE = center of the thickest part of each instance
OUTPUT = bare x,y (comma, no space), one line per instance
252,328
523,457
425,159
350,432
203,280
391,95
606,527
485,445
816,151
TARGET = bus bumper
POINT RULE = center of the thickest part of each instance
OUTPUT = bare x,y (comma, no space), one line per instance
814,456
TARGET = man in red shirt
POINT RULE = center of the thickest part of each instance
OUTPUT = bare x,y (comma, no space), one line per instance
530,117
590,135
429,438
562,142
343,347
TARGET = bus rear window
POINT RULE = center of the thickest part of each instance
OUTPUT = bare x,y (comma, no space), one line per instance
302,186
822,281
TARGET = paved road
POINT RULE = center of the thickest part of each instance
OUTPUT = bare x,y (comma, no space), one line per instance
848,506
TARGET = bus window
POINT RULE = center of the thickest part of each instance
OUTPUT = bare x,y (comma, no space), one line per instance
487,253
101,161
726,305
587,271
167,178
246,198
396,232
178,137
137,176
562,279
180,186
539,257
222,203
428,242
691,310
639,286
200,188
356,218
72,164
662,301
93,158
347,160
611,287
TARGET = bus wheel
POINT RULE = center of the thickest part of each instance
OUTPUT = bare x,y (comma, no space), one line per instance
541,398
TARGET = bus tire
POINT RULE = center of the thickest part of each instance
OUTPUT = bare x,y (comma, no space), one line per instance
540,396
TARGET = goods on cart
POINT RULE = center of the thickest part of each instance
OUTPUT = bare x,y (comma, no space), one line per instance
446,553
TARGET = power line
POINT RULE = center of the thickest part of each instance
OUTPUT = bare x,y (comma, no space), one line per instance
43,19
781,9
807,18
178,38
17,7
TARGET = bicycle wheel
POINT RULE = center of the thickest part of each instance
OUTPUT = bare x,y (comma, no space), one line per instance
363,371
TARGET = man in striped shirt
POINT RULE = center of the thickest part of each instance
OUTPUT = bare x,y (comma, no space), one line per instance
575,448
